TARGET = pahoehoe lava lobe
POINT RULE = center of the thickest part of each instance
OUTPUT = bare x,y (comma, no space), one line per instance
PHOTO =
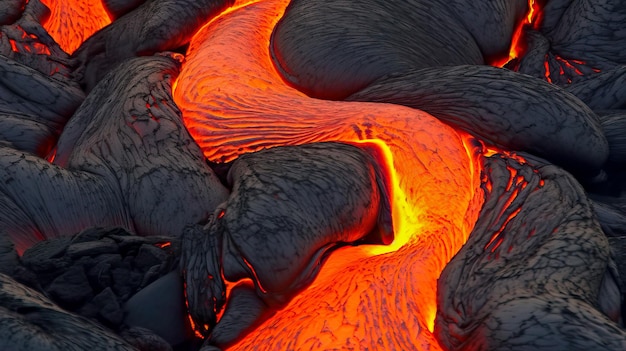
330,49
605,90
534,274
154,26
118,8
32,122
588,30
124,159
289,207
37,93
510,110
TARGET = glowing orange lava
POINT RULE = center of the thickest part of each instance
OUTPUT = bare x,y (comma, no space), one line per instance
72,22
518,46
380,297
30,45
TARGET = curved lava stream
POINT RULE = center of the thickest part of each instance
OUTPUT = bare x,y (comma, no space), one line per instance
234,102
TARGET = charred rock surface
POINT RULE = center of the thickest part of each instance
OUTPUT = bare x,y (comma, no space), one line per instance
26,133
534,274
155,26
45,113
27,42
503,108
95,272
103,275
330,49
588,30
42,201
118,8
491,23
289,207
31,322
144,153
576,38
127,157
613,125
37,94
10,10
611,212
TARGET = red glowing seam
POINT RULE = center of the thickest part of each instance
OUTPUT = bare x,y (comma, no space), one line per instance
163,245
513,176
191,322
52,155
488,187
546,65
254,275
569,65
511,198
507,204
13,45
229,288
517,47
523,185
497,236
41,49
510,154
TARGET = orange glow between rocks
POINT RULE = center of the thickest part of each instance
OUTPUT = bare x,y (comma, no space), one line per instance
192,324
381,297
573,67
518,46
163,245
72,22
29,44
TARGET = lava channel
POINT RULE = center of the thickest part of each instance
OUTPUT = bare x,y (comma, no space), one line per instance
234,102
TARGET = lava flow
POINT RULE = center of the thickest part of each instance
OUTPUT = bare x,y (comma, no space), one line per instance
382,297
71,23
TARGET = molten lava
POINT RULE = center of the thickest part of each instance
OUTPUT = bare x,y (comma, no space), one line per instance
72,22
383,296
